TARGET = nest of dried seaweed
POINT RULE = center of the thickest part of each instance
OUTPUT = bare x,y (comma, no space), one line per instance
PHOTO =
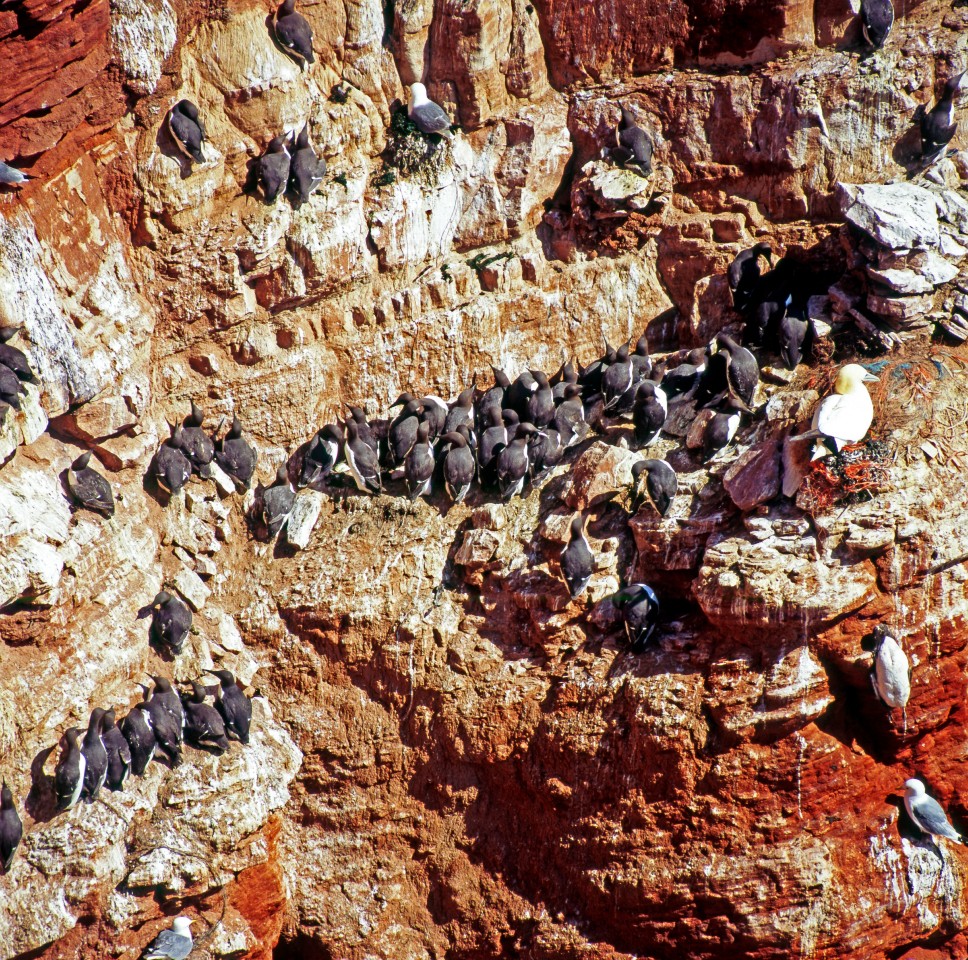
854,475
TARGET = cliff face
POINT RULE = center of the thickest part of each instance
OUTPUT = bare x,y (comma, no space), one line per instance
449,757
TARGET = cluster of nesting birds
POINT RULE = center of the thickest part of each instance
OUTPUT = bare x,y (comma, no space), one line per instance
109,751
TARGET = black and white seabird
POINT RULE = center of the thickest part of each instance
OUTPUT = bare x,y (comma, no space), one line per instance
203,723
590,377
11,827
641,361
633,146
14,359
12,176
321,455
928,815
541,404
364,430
655,481
683,378
170,622
617,378
273,169
459,466
170,468
363,462
69,773
743,274
791,334
277,502
719,433
878,18
569,419
95,757
306,170
494,438
545,451
10,387
742,371
519,393
577,559
428,116
234,706
639,607
186,129
88,488
167,719
173,944
844,416
564,378
140,737
236,457
402,434
418,468
513,463
196,444
118,751
493,396
461,412
649,412
938,125
294,34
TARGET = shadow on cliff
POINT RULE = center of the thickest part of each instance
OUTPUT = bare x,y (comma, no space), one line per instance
166,144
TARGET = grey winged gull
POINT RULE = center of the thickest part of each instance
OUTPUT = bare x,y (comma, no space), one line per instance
927,813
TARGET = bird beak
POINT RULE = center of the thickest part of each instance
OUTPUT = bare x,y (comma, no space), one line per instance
870,378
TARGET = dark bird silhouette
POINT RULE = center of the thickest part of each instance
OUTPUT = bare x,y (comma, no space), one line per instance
277,502
655,481
236,457
577,559
938,125
639,607
11,827
294,34
306,170
118,752
69,772
88,488
234,706
203,723
95,756
633,146
136,727
171,469
743,273
186,129
170,622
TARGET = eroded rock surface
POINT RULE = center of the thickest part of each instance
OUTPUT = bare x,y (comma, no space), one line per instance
449,757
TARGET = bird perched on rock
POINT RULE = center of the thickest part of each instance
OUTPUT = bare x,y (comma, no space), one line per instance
402,432
655,481
890,672
617,378
203,723
321,455
186,129
743,274
273,169
236,457
173,944
95,757
277,502
69,772
363,462
938,125
684,377
294,34
10,387
234,706
540,407
11,827
513,463
740,371
306,170
88,488
641,361
12,176
639,607
140,737
719,433
14,359
577,559
648,412
428,116
196,444
633,146
791,334
569,419
167,719
845,415
566,376
927,813
459,466
878,18
170,622
170,468
118,751
461,412
418,469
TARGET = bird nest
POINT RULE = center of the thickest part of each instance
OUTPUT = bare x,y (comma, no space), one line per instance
409,152
854,475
